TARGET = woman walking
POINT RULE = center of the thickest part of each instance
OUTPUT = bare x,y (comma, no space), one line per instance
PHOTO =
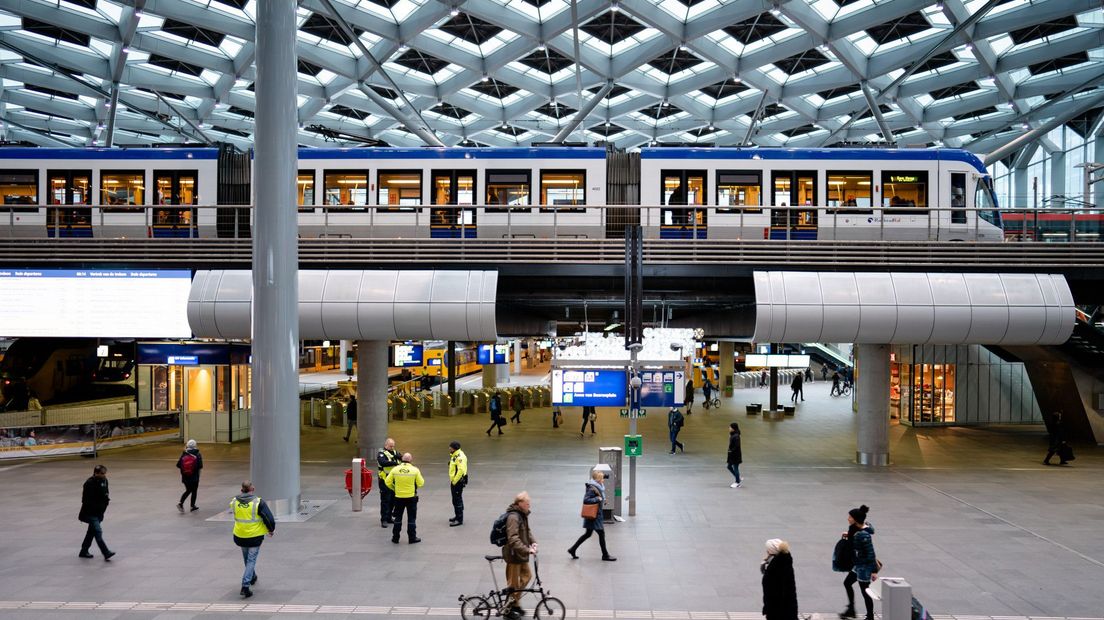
595,494
689,396
735,455
779,589
865,567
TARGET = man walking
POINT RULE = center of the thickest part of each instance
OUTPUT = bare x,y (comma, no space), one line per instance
404,480
387,458
94,501
735,454
520,544
675,421
689,396
252,520
795,385
1057,441
351,416
495,407
458,479
519,406
189,464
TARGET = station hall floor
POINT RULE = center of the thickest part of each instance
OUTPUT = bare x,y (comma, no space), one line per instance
970,517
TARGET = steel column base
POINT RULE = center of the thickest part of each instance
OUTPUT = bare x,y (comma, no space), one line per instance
872,459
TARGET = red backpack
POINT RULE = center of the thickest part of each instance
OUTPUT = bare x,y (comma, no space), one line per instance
188,464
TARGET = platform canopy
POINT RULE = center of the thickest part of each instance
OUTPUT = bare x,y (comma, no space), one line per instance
801,73
913,308
356,305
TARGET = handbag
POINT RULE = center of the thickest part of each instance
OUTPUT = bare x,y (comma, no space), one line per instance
589,511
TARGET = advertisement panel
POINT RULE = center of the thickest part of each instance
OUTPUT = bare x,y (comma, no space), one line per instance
593,388
92,303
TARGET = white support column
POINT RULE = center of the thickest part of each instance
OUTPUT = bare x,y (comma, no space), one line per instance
872,390
517,357
371,396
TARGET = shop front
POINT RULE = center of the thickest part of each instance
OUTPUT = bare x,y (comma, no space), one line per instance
933,385
208,384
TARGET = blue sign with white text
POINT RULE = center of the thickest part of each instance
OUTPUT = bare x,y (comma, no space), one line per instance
662,388
589,388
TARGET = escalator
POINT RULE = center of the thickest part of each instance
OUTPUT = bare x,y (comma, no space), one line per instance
827,355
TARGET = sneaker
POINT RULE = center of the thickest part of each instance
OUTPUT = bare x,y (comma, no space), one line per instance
180,507
246,592
739,484
671,452
608,558
847,613
455,523
395,540
414,541
384,524
85,554
734,485
108,556
194,508
253,581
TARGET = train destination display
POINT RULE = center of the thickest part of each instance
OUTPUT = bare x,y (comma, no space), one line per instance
493,354
594,388
407,355
91,303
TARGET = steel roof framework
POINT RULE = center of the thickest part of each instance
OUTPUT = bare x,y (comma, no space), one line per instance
788,72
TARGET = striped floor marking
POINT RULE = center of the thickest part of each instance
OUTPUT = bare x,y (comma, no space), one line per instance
435,612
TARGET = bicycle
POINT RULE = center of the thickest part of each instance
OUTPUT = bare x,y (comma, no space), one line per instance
844,390
714,402
497,602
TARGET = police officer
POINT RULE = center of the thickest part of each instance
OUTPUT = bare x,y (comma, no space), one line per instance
404,480
387,458
458,479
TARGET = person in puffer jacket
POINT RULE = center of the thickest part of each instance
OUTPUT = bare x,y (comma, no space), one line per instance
865,567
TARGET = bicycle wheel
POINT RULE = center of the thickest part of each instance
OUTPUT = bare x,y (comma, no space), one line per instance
475,608
550,608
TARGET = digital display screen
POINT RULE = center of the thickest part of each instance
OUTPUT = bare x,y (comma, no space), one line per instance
594,388
407,355
662,388
95,303
493,354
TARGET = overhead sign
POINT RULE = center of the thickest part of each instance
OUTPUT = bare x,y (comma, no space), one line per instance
589,388
88,303
662,388
777,361
493,354
407,355
182,360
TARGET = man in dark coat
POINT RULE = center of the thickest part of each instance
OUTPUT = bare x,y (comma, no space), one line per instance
1057,438
94,501
796,387
735,455
495,407
189,464
351,416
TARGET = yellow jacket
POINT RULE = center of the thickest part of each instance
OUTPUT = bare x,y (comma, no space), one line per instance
404,480
458,466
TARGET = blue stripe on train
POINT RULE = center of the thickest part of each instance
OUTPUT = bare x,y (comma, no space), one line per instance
795,235
451,232
80,232
165,232
682,232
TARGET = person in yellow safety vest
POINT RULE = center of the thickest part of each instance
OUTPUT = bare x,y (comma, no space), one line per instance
404,480
386,458
458,479
252,520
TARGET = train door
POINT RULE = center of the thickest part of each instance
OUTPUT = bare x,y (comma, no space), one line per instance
956,220
174,187
793,188
69,196
453,187
683,187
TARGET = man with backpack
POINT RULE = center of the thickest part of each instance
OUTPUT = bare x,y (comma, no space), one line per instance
497,421
189,464
511,532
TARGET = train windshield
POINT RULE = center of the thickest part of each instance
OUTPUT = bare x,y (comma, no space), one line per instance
986,201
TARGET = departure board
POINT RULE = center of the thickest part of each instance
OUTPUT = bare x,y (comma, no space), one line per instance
85,303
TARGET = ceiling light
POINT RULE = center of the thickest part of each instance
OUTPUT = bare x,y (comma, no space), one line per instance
666,103
607,123
969,47
938,6
486,78
540,46
403,48
775,12
1024,126
454,12
126,49
615,7
682,47
710,127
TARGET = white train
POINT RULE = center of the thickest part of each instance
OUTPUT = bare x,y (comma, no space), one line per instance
541,192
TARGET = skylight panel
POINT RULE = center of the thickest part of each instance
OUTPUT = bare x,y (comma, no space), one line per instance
825,8
104,48
535,9
637,39
853,7
863,42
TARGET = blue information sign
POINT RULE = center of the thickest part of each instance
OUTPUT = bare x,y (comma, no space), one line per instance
407,355
493,354
593,388
662,388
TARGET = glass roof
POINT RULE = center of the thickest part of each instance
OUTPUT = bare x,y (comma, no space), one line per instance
505,72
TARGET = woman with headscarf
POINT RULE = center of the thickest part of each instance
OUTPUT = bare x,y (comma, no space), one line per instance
779,589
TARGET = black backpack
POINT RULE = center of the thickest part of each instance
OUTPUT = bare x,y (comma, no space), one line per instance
498,530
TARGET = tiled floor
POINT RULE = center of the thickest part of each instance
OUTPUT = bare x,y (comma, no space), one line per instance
970,517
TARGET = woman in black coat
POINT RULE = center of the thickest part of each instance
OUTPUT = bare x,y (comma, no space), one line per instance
595,494
735,455
779,589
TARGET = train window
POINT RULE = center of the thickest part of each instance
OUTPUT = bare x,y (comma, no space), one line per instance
562,188
304,186
344,187
985,202
175,187
122,188
508,187
69,187
399,189
904,189
19,187
851,189
958,198
739,189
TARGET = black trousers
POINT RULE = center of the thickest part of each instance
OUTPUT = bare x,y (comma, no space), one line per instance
387,501
583,427
191,487
458,500
517,416
410,506
586,535
863,585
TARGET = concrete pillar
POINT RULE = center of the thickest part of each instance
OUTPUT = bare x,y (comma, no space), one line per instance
371,397
727,365
872,391
490,376
502,371
343,352
517,357
274,449
773,382
1057,177
1021,188
453,367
